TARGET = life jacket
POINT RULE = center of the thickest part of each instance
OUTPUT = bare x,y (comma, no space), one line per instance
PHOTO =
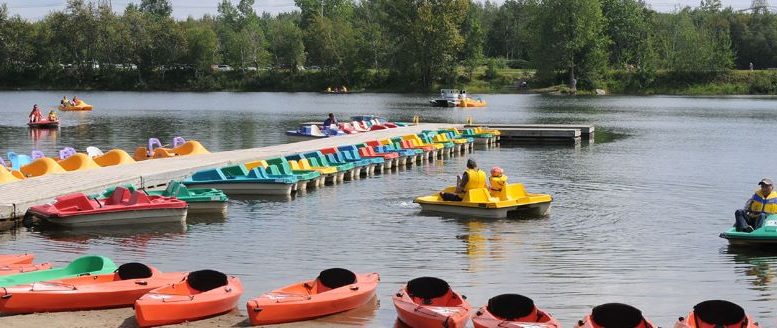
498,183
760,204
475,179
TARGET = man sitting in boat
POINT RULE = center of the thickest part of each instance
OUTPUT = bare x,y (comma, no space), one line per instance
35,114
762,203
52,116
330,120
498,181
76,101
64,101
472,178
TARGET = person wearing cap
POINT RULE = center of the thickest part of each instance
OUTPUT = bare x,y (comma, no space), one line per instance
762,203
471,179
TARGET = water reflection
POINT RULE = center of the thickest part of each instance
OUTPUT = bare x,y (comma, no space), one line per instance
134,236
756,264
360,316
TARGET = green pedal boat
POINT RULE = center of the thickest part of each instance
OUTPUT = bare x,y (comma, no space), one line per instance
200,200
85,265
765,235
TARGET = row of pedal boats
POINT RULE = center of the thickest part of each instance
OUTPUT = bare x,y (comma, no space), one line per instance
161,298
20,166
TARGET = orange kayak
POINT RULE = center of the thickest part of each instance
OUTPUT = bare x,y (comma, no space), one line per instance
118,289
201,295
717,313
615,315
335,290
430,302
8,269
16,258
512,310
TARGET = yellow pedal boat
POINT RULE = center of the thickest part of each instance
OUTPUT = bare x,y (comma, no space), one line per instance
480,202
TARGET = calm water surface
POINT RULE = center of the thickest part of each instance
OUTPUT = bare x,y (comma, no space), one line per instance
635,217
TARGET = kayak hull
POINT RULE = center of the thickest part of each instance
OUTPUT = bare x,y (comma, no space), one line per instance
296,303
485,319
25,258
423,316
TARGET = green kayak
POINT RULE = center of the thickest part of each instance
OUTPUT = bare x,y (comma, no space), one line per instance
200,200
765,235
85,265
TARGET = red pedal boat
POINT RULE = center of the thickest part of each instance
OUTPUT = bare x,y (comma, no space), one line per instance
203,294
512,311
121,207
119,289
335,290
430,302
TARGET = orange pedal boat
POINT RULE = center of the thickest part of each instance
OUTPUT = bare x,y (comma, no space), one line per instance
430,302
203,294
614,315
512,311
119,289
335,290
16,258
716,314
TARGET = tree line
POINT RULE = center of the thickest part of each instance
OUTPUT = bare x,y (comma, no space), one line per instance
410,43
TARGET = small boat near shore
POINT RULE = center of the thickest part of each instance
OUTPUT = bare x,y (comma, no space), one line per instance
203,294
85,265
430,302
334,290
513,311
121,207
479,202
43,124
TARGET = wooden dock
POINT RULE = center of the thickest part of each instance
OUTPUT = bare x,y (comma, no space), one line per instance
534,132
16,197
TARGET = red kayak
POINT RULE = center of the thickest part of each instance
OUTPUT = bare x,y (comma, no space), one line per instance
119,289
512,310
203,294
430,302
9,269
16,258
335,290
121,207
717,314
44,124
614,315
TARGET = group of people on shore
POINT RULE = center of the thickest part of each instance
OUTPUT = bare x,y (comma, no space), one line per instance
474,178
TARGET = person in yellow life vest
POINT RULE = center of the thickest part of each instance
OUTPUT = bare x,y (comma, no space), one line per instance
471,179
52,116
497,181
762,203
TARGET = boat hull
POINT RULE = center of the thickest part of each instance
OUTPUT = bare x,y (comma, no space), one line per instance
537,209
422,316
162,215
156,308
213,207
271,189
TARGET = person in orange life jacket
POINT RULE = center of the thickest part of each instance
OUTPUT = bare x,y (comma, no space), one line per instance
497,181
471,179
762,203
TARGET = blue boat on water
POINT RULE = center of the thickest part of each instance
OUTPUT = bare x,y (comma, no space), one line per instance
237,180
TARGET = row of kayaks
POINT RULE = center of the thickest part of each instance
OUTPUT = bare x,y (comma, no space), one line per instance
21,166
358,124
124,204
95,282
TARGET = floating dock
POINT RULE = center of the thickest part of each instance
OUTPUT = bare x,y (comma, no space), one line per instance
534,132
17,197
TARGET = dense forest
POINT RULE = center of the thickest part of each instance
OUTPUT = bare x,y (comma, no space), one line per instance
395,45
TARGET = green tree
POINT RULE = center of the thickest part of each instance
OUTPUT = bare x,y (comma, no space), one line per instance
157,8
569,39
286,43
472,52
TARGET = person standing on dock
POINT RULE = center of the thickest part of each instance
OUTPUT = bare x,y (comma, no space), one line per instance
762,203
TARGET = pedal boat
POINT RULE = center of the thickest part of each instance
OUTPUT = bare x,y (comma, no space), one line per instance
111,290
43,124
122,207
513,311
764,235
82,106
334,290
201,295
82,266
430,302
237,180
481,203
200,201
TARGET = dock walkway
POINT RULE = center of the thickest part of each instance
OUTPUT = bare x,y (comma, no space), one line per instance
17,197
541,131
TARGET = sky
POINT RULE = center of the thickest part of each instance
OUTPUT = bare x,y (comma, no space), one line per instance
37,9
